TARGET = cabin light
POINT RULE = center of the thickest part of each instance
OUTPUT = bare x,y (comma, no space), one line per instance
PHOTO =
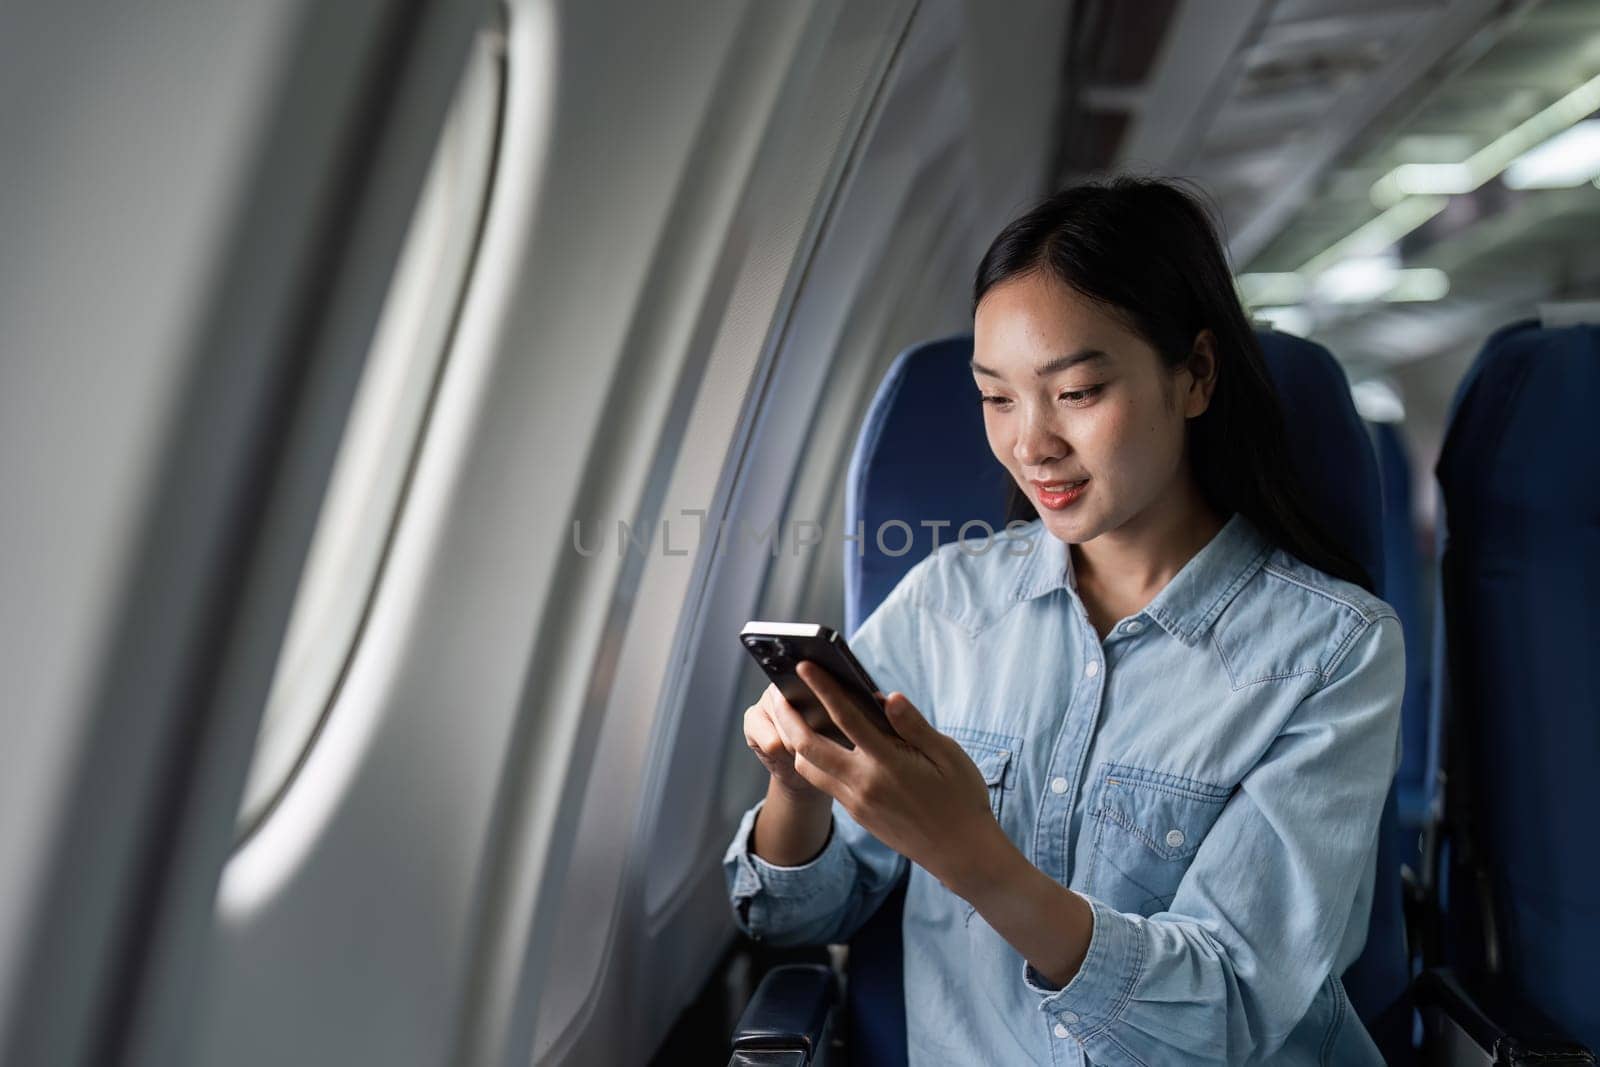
1283,287
1414,179
1291,319
1276,298
1418,283
1410,179
1378,235
1564,161
1377,401
1358,280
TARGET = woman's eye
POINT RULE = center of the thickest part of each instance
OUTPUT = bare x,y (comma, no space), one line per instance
1079,396
995,401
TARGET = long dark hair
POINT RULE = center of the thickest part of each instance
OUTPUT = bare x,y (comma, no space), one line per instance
1147,249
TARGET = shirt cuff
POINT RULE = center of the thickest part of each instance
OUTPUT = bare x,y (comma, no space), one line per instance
1093,1000
767,896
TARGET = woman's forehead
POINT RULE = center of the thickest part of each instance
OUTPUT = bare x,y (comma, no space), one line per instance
1044,327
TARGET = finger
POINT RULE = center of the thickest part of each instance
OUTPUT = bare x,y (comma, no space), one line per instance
907,721
774,749
818,778
761,735
775,709
827,756
776,704
842,708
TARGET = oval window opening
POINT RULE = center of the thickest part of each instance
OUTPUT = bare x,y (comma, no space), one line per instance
383,432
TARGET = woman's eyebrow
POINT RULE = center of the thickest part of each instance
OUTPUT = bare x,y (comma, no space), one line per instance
1060,363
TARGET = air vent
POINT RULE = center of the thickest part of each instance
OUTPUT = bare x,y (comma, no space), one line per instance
1320,70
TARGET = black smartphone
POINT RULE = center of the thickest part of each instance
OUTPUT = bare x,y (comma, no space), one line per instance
779,646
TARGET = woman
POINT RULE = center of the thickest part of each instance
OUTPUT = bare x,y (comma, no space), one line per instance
1140,766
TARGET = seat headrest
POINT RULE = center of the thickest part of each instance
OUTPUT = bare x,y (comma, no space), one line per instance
1328,446
1520,441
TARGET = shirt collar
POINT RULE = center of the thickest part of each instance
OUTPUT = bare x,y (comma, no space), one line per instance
1188,604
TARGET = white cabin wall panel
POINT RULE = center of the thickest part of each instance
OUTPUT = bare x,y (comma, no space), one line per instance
119,183
726,314
155,199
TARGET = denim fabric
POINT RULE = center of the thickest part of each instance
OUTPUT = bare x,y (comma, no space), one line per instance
1209,777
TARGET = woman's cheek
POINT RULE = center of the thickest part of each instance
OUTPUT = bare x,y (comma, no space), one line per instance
1113,441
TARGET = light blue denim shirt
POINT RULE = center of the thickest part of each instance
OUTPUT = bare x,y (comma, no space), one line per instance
1209,777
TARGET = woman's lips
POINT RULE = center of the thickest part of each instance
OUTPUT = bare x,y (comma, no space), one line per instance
1060,498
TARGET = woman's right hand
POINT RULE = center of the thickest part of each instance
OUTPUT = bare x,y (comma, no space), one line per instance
761,734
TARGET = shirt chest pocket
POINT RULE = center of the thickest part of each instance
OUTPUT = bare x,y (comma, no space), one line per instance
995,754
1147,828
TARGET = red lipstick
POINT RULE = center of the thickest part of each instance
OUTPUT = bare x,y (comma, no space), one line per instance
1056,501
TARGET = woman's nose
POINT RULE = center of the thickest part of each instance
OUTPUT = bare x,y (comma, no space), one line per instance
1038,443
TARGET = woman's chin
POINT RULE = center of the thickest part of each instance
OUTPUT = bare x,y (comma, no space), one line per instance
1066,527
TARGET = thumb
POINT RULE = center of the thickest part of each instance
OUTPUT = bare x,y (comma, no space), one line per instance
905,718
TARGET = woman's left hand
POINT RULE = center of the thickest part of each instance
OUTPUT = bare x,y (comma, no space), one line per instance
918,792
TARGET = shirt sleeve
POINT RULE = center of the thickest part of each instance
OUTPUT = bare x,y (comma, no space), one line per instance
826,900
1226,973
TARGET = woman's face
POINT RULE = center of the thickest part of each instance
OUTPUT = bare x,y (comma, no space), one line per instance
1072,395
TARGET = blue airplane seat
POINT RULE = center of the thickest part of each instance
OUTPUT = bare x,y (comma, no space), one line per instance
922,455
1402,588
1520,572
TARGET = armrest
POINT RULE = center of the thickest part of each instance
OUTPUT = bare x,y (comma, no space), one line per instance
790,1013
1493,1029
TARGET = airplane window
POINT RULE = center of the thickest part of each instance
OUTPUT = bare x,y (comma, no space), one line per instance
385,427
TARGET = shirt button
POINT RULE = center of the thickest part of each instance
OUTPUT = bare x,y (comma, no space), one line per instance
1092,669
1069,1017
1058,785
1174,838
1133,627
1061,1031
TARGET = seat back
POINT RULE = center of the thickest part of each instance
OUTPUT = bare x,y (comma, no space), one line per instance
1520,571
1402,588
922,455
